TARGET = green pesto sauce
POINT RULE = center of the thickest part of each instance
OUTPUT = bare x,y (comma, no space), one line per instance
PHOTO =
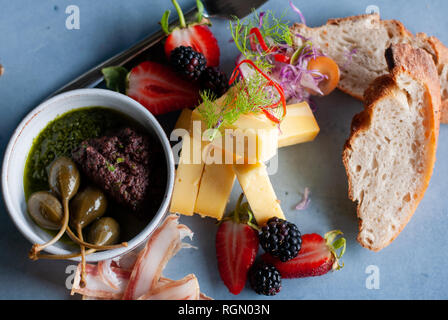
61,136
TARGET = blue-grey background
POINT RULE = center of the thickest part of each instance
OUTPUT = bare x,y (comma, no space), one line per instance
39,55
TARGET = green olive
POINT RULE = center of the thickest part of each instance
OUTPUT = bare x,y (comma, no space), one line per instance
86,206
46,210
64,178
104,231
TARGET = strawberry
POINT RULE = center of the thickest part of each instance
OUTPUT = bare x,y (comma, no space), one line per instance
196,35
159,89
236,247
316,257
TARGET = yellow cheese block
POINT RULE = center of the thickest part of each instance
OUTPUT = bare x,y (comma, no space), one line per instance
299,125
251,138
205,188
214,191
257,187
188,177
183,122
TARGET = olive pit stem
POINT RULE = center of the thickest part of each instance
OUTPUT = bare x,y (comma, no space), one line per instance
39,247
63,256
82,282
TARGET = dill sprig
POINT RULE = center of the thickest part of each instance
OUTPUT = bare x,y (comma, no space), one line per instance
246,96
274,29
256,93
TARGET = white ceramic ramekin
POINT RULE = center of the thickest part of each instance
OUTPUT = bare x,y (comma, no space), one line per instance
21,141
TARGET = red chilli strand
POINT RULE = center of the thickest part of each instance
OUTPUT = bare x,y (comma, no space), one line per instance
255,31
282,58
271,82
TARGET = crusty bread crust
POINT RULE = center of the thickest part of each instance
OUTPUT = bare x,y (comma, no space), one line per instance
336,21
374,16
431,44
444,112
300,28
441,54
420,66
401,58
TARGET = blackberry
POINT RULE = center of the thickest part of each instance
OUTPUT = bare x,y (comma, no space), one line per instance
214,80
280,238
188,62
265,279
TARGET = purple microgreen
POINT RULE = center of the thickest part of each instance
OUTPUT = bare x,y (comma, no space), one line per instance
260,17
304,203
295,9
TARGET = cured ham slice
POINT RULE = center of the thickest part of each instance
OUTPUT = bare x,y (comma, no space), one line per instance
165,242
204,297
127,261
184,289
107,275
138,274
96,287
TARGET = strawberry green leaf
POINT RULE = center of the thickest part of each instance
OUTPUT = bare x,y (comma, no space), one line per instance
164,22
248,216
242,214
334,245
200,13
115,78
338,244
331,235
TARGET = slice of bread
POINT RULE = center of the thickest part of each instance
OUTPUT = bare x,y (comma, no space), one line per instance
357,45
390,155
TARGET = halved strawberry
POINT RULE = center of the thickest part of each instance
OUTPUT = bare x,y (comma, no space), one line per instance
160,89
236,248
316,257
196,35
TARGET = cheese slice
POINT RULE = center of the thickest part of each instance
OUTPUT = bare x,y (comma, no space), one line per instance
298,126
251,138
188,177
215,188
257,187
183,122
